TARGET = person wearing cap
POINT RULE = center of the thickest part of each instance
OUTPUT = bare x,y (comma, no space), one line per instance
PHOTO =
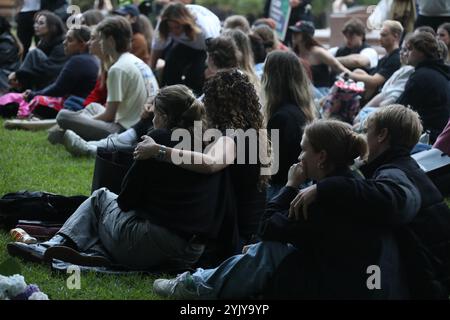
139,44
181,35
320,60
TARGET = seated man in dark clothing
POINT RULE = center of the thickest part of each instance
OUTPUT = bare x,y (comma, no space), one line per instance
390,36
356,53
428,88
424,243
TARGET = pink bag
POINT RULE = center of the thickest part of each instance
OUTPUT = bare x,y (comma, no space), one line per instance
443,140
24,110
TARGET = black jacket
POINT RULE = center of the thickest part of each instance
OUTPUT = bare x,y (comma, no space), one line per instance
428,92
40,73
289,120
426,240
183,201
335,247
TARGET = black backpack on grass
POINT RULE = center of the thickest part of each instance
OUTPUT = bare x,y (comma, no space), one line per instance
37,205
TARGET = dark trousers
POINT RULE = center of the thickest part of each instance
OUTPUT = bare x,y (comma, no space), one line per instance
25,29
185,65
433,22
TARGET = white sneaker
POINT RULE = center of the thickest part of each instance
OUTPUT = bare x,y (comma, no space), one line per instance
111,142
181,287
77,146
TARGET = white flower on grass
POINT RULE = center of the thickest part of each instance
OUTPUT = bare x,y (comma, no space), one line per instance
11,286
38,296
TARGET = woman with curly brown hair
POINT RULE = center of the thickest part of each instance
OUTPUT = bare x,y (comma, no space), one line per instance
231,103
180,37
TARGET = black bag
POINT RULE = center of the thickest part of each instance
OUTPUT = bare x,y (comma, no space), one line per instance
111,166
37,205
436,165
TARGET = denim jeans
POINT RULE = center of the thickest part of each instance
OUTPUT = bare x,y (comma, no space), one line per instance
243,275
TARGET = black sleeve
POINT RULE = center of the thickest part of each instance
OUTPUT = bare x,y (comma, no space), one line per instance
66,81
275,224
388,69
289,143
390,198
412,93
132,186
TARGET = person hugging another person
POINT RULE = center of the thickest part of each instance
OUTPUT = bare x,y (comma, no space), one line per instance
180,40
76,80
289,107
162,214
323,256
232,104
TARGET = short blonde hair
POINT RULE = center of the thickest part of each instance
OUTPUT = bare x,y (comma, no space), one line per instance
394,27
403,124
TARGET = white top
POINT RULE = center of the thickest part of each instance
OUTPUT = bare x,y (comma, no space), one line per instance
130,82
370,53
207,21
434,8
31,5
395,85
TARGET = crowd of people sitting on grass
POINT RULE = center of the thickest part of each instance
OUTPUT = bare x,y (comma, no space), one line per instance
239,181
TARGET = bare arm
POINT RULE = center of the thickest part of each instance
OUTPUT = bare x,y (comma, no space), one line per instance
353,61
370,81
109,115
325,57
154,56
218,155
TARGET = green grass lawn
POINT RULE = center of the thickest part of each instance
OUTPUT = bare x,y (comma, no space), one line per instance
29,162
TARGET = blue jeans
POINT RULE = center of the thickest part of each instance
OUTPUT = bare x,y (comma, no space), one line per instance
243,275
74,103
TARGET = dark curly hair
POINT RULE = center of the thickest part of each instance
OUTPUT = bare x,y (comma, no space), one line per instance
231,102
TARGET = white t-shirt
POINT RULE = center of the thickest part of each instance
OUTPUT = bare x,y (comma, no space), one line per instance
31,5
395,85
369,53
434,8
208,23
130,82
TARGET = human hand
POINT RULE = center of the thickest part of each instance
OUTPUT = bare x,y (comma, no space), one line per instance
148,110
146,149
26,94
301,202
296,175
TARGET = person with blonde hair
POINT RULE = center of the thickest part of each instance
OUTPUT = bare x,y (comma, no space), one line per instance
390,36
289,106
396,194
323,256
188,26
